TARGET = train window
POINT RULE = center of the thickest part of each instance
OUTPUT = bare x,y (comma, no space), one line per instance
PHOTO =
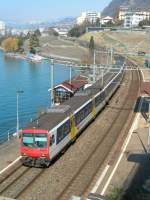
99,99
52,140
84,112
89,106
63,131
34,140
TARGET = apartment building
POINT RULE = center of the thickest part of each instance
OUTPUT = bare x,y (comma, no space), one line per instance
88,16
132,19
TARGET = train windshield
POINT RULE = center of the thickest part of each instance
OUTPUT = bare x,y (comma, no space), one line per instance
34,140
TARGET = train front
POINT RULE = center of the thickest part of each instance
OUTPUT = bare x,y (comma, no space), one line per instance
34,147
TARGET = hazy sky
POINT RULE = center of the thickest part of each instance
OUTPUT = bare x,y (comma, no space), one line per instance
27,10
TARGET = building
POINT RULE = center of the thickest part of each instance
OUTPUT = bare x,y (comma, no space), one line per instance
2,28
68,88
107,19
122,11
138,11
62,31
91,17
132,18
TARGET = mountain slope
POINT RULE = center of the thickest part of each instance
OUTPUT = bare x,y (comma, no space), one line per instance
114,5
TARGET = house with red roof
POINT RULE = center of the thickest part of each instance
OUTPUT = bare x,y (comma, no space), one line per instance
68,88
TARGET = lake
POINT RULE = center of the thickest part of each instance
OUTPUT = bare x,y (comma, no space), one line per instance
34,80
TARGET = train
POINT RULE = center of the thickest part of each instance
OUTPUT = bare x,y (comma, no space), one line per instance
46,137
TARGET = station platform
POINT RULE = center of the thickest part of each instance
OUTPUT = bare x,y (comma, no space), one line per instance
121,172
9,151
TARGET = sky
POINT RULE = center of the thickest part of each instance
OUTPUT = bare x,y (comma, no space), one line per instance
42,10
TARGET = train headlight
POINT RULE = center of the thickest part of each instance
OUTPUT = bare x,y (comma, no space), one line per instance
43,155
23,154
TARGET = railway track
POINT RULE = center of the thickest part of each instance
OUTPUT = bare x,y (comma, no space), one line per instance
17,180
64,183
79,183
73,173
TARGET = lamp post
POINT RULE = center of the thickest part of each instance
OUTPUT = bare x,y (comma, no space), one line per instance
17,111
52,82
111,55
94,66
70,73
102,77
148,120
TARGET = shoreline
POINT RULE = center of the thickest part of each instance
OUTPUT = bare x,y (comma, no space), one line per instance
15,55
57,58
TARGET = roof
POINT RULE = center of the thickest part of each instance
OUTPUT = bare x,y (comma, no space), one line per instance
76,83
107,18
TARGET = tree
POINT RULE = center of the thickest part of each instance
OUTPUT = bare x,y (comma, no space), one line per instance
28,35
37,33
91,48
21,40
145,22
33,43
32,50
10,44
51,31
91,44
109,24
77,31
97,22
119,22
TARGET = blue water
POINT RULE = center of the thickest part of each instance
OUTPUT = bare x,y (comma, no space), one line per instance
34,80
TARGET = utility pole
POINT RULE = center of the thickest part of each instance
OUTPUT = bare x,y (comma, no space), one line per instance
102,77
111,56
107,56
17,112
52,82
148,120
70,67
94,68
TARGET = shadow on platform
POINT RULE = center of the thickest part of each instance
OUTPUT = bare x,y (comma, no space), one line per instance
137,178
144,108
138,158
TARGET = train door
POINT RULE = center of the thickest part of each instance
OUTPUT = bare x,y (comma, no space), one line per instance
52,145
73,132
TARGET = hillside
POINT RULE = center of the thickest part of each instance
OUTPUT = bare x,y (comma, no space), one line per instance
114,5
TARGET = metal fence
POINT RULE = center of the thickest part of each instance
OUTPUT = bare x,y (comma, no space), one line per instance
7,135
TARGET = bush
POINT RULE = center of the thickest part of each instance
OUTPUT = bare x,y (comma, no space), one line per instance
116,194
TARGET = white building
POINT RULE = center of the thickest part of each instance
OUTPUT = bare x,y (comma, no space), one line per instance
124,10
15,31
62,31
2,28
107,19
132,19
88,16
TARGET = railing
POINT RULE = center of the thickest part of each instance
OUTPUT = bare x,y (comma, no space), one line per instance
7,135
